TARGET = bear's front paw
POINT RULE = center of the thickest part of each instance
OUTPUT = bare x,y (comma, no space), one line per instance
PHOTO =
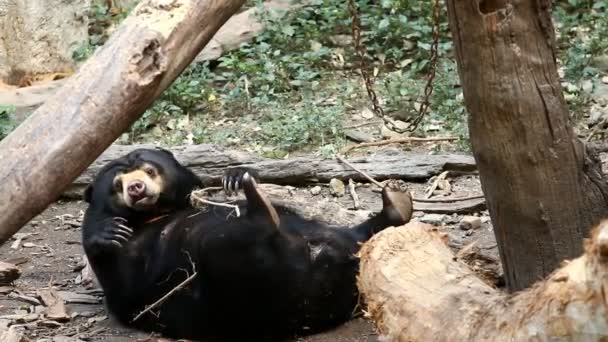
232,181
115,234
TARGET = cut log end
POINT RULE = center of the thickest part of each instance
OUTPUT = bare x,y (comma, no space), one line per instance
413,287
598,243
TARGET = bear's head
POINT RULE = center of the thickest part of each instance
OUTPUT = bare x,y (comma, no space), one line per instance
145,181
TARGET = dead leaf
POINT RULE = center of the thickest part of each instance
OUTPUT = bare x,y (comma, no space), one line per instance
55,307
13,334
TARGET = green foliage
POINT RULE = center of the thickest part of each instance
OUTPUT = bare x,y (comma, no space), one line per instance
188,93
100,20
7,124
583,28
307,53
305,125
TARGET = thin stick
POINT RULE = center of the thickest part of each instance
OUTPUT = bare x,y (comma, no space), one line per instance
395,141
200,199
342,160
353,193
211,188
362,124
447,200
379,184
175,289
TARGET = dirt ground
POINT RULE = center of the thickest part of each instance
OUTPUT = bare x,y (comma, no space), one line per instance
50,253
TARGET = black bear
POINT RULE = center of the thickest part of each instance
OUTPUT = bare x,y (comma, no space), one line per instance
266,275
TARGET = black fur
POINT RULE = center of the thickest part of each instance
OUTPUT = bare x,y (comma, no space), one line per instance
254,282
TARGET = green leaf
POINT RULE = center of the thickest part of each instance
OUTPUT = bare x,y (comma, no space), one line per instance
288,30
383,23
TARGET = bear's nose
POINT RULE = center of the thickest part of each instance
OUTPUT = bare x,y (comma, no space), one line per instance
136,189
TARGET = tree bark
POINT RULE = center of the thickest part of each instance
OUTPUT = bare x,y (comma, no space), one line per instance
413,285
111,90
543,189
40,37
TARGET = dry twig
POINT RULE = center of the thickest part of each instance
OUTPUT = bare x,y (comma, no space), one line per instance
435,184
166,296
198,196
381,185
342,160
353,194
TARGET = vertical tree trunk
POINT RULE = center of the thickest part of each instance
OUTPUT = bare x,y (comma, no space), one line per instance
542,188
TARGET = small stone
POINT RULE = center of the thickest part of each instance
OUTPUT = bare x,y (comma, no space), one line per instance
388,133
600,62
367,113
587,86
569,97
315,46
561,71
358,136
418,214
315,190
406,62
570,88
595,115
336,187
605,79
341,40
470,222
434,219
452,219
402,125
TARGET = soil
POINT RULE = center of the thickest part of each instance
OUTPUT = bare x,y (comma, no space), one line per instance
52,254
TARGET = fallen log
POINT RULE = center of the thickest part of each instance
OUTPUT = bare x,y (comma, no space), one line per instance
415,290
109,92
210,161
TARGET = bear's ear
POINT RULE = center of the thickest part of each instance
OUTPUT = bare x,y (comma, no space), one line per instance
88,192
164,150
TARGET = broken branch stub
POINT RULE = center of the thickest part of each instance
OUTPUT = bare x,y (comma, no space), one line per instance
413,285
111,90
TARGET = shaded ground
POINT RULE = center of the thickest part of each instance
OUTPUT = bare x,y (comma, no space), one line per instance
51,253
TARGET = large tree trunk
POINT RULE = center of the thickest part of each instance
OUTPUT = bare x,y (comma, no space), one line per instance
542,189
60,139
40,37
416,290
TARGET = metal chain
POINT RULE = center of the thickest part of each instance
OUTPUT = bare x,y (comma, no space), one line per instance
369,80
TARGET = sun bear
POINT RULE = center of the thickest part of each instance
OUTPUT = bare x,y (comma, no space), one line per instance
266,275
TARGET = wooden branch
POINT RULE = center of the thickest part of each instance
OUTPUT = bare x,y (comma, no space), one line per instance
413,286
463,205
111,90
210,161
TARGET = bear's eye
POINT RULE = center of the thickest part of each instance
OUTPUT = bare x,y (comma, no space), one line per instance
150,171
118,185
